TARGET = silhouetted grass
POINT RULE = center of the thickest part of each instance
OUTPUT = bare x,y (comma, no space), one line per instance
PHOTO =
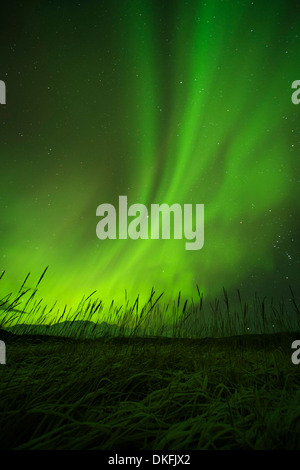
183,318
146,383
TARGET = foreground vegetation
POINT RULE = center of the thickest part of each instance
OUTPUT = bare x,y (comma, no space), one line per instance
233,393
211,379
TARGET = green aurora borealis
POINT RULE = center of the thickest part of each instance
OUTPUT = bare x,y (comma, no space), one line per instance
165,102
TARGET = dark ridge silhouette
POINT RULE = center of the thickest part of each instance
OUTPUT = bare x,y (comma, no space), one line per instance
236,341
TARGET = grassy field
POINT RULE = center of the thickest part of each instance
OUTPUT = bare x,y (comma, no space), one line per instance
160,394
172,388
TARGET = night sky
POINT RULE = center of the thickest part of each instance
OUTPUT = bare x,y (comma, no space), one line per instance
183,102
